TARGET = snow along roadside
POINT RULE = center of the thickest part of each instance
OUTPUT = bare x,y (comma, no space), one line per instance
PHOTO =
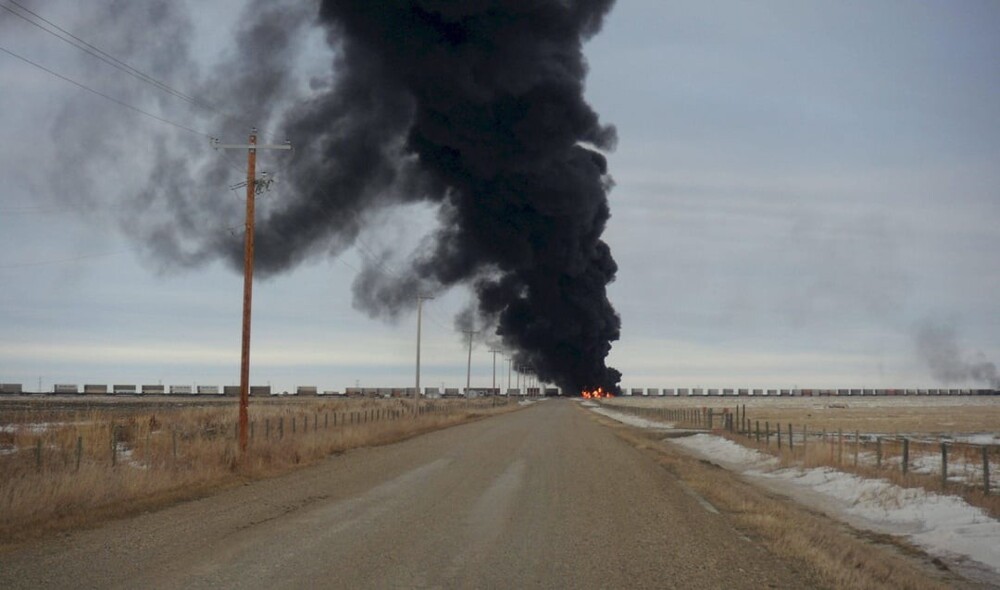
944,526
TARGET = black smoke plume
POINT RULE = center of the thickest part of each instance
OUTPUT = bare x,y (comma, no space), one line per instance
477,106
937,346
473,106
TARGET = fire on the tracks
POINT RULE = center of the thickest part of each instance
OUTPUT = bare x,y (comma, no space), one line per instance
596,393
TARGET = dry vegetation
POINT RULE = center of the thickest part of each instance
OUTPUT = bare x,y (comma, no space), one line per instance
836,555
62,467
925,415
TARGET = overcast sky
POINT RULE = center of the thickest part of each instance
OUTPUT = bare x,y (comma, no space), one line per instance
802,190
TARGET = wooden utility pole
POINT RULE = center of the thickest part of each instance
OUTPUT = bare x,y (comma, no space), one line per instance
468,367
251,148
494,352
509,361
420,309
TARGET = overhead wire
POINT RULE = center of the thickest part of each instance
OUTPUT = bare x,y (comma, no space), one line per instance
98,53
105,96
62,260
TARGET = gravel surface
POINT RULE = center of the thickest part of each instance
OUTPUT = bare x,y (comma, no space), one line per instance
541,498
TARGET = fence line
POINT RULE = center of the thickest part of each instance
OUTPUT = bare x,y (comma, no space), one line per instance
147,444
907,455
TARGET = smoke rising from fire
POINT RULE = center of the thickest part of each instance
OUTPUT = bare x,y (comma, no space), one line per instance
474,107
937,346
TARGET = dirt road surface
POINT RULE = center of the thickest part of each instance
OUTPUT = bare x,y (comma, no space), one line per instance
540,498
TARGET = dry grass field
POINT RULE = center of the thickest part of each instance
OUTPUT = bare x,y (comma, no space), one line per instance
871,415
71,462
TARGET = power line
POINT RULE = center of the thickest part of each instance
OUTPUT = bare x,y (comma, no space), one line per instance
105,96
62,260
104,56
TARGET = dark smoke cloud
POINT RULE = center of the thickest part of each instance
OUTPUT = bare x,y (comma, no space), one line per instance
473,106
487,96
937,346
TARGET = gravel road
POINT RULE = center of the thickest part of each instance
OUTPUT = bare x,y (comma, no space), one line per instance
541,498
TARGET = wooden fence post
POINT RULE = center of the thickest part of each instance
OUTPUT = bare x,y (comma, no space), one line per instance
840,446
758,430
944,464
857,444
791,442
986,470
767,433
878,452
906,455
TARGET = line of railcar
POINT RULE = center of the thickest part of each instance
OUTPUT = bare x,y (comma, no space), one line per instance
435,392
759,392
266,390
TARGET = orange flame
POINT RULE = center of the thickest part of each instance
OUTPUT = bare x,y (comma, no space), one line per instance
596,393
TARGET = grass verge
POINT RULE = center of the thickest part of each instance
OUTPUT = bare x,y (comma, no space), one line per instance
837,555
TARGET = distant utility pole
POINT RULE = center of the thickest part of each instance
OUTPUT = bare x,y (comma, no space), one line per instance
494,352
251,149
420,310
468,367
510,361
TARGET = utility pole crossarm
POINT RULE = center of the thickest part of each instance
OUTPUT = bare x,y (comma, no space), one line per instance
251,146
247,146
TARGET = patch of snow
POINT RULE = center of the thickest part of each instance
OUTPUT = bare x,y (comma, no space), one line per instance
632,420
945,526
725,451
977,439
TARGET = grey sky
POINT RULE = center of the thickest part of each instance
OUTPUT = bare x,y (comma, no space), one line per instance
801,186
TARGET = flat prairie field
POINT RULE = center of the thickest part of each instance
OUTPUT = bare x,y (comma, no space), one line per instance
923,415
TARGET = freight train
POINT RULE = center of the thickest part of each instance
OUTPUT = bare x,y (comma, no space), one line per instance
752,392
266,390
